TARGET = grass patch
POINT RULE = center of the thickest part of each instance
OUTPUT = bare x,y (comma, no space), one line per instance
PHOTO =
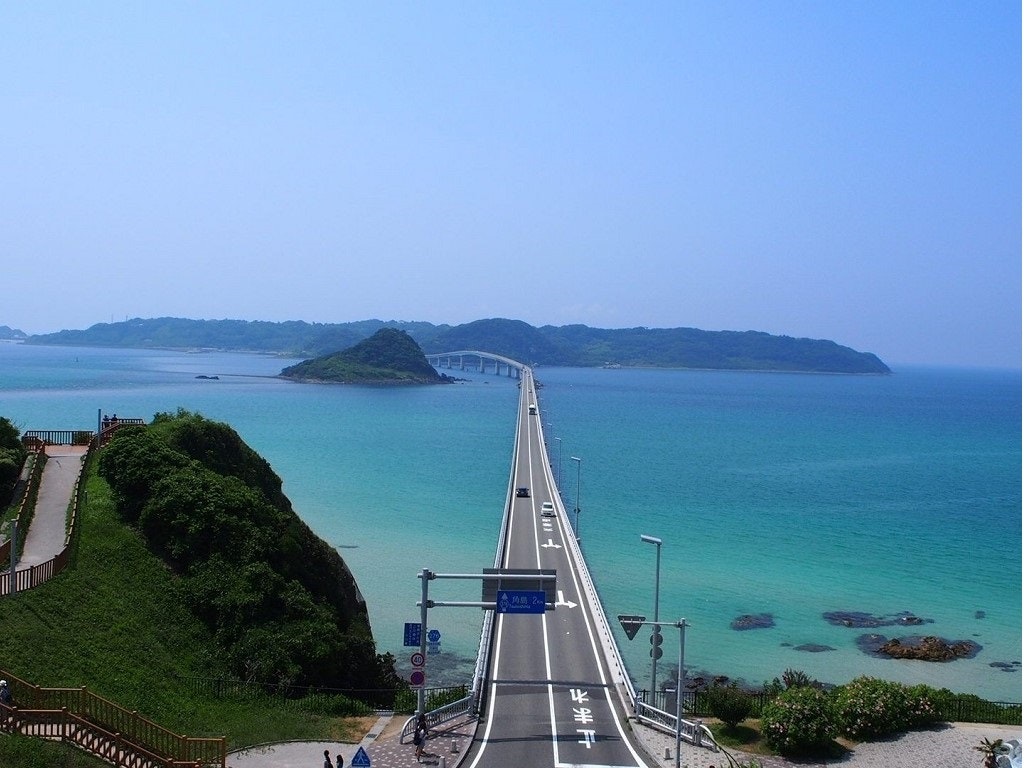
26,752
111,622
747,737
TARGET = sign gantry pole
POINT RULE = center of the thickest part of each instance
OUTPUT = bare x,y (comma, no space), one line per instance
539,596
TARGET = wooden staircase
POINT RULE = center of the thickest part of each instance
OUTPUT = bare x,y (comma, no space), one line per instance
102,728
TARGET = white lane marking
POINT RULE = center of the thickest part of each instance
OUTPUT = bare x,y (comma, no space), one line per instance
563,601
551,545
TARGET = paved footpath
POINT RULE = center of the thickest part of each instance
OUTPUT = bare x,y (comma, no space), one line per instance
946,746
46,534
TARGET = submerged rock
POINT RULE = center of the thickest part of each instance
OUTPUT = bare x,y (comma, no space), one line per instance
862,620
814,648
753,621
1006,666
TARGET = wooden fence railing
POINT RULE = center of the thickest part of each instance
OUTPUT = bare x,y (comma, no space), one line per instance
34,575
103,728
33,437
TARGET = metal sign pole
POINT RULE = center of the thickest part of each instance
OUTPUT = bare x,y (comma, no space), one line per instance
421,696
679,688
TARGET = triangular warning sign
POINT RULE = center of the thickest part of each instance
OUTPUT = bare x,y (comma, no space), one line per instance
631,624
360,759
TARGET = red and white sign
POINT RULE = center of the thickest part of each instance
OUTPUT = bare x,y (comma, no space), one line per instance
417,659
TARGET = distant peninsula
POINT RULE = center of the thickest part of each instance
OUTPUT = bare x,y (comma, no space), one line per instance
389,357
567,345
12,334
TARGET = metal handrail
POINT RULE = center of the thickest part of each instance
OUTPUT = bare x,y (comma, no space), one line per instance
695,732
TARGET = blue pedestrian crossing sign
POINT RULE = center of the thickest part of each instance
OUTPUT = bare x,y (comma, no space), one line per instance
360,759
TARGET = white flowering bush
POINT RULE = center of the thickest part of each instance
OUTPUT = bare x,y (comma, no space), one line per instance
799,721
867,708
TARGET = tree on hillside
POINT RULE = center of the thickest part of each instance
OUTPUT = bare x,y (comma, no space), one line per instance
12,458
281,603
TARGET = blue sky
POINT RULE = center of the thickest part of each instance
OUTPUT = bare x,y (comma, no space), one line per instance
842,170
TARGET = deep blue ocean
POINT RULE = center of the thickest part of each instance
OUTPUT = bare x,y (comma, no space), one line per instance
784,494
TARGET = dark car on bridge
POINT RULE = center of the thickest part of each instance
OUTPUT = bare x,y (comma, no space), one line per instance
522,493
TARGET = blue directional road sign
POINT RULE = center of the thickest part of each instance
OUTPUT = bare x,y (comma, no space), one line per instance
517,601
360,759
434,636
413,634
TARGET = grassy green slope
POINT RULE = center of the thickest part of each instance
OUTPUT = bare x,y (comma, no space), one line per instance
110,622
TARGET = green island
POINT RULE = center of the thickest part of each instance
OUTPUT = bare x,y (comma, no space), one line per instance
568,345
388,357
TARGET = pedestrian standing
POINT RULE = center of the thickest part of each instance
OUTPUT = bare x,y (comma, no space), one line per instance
340,761
327,759
419,736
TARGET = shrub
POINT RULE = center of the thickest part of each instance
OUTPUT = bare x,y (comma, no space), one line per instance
799,721
867,708
966,707
728,703
795,678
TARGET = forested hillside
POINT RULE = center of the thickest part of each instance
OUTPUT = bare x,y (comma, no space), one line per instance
567,345
281,603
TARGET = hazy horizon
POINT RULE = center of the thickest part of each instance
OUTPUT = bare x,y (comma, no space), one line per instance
892,363
832,171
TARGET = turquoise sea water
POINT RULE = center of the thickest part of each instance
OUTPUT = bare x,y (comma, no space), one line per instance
773,493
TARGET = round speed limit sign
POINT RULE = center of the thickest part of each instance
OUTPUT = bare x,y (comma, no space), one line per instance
417,659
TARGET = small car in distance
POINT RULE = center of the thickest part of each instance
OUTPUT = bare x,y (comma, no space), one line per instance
523,493
547,509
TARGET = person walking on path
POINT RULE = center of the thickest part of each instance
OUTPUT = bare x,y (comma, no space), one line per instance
7,700
419,736
327,759
341,761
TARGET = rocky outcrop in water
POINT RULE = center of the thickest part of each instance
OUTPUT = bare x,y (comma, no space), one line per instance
927,648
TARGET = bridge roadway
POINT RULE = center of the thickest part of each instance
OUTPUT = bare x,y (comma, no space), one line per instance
554,693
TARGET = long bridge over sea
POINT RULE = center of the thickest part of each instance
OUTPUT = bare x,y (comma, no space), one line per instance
474,360
550,685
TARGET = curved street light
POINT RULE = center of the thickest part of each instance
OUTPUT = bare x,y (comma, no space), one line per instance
579,464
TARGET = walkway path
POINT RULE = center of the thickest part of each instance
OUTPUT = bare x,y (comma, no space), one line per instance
46,534
381,743
946,746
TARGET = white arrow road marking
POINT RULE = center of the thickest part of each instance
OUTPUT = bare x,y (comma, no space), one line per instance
588,737
551,544
563,601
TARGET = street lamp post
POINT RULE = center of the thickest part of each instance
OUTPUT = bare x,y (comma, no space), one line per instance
558,479
656,631
579,464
